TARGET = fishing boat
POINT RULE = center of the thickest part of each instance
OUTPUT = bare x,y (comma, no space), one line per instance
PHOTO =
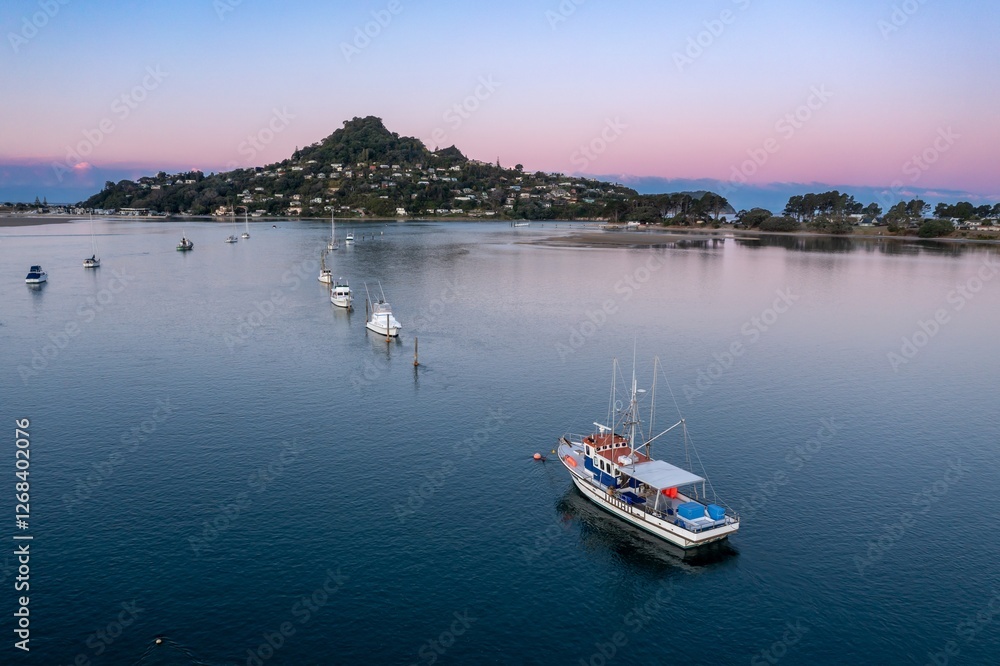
615,469
246,225
36,275
93,261
333,244
380,319
185,244
340,295
350,237
325,274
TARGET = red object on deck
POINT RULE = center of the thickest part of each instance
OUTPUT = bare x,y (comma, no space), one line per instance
670,492
569,459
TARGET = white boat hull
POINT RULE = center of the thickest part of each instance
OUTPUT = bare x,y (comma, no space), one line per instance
392,331
326,279
643,520
341,302
36,280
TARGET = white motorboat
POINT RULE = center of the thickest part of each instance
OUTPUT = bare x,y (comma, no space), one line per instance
350,237
614,468
36,275
380,318
340,295
246,225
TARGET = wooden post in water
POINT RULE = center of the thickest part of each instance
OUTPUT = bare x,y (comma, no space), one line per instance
415,361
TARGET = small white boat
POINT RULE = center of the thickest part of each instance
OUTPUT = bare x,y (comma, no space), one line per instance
350,237
380,319
233,238
246,225
340,295
93,261
325,275
614,468
185,244
36,275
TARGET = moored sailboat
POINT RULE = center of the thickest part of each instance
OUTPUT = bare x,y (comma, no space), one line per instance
93,261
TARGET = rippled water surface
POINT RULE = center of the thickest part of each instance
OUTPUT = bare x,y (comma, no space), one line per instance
259,479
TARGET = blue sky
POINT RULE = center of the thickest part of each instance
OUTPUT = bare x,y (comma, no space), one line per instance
694,88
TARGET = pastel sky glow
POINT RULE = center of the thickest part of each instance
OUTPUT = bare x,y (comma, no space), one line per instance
843,93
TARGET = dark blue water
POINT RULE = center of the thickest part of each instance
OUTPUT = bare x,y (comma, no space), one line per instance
260,480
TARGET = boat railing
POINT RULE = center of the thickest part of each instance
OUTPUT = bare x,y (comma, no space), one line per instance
671,517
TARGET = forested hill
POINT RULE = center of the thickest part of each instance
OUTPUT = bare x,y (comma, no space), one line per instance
364,169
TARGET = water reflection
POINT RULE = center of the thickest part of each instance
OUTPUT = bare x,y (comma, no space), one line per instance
629,544
870,244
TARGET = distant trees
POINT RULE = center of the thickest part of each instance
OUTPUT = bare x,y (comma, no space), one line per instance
962,211
783,223
755,217
935,228
833,203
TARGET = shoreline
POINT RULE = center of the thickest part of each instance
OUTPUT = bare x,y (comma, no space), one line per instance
585,236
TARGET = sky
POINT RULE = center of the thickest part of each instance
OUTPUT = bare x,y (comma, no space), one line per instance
897,97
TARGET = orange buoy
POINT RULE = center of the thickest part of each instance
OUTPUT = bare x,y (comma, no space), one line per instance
537,456
569,459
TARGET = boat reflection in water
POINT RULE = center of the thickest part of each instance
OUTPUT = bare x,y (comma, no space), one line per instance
602,531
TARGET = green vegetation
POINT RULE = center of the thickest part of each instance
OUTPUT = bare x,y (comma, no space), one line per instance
363,169
784,223
935,228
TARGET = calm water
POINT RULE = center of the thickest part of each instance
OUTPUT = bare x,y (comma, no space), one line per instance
217,447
